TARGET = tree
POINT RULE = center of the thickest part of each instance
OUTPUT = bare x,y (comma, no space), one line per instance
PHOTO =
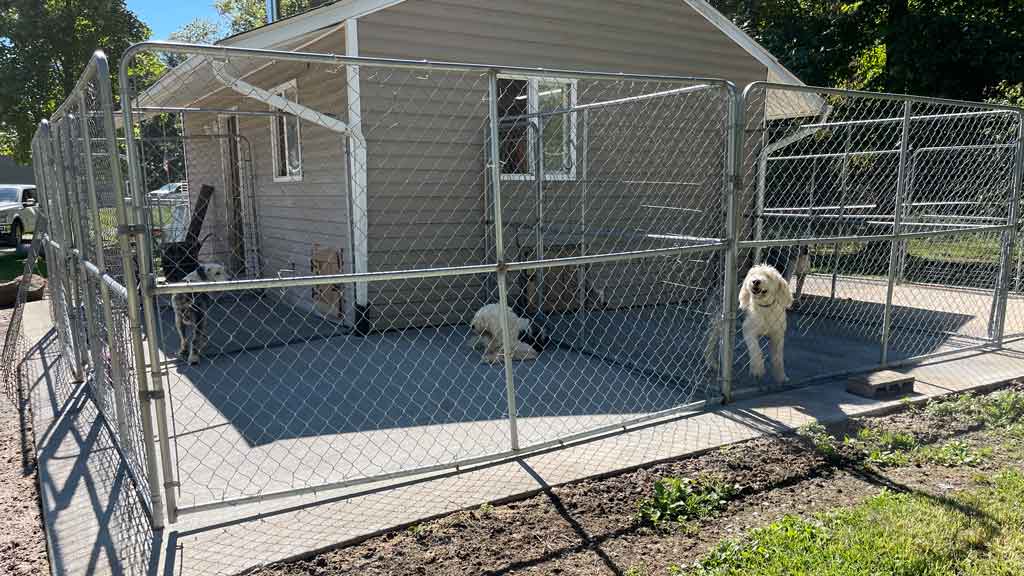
198,31
950,48
45,46
244,15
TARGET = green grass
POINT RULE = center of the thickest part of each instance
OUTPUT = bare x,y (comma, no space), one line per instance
12,265
983,248
682,499
980,533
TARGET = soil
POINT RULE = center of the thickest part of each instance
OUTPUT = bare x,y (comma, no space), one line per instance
22,542
591,527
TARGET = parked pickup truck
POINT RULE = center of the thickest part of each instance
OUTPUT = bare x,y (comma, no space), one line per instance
17,211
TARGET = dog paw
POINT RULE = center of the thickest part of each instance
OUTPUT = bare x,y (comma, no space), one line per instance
193,359
780,378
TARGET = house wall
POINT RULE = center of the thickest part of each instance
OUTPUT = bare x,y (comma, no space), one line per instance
425,136
290,216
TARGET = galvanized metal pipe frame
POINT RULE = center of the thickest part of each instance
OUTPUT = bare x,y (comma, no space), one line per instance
98,71
729,246
894,244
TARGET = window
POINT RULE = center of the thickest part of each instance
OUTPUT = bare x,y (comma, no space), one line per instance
286,139
28,196
521,104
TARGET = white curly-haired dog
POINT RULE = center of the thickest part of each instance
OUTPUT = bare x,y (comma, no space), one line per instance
486,325
764,298
190,310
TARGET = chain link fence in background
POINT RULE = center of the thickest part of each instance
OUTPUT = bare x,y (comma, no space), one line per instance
370,219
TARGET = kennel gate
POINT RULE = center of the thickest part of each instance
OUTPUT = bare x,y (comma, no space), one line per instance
908,205
664,186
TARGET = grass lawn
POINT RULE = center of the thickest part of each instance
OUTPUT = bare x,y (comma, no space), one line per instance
12,264
979,532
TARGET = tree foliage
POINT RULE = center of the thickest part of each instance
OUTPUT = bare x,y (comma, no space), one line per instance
244,15
44,46
950,48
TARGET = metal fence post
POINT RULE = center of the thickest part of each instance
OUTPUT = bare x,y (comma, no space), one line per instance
897,225
1002,291
116,362
733,187
69,244
135,327
499,251
144,253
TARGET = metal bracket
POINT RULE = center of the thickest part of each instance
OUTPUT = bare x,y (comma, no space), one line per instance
151,395
131,230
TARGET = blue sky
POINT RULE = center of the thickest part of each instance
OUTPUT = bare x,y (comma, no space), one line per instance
166,16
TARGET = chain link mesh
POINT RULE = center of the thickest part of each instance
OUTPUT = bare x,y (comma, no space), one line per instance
330,243
843,180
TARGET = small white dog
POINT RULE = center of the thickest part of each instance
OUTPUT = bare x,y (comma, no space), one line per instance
486,325
764,299
190,310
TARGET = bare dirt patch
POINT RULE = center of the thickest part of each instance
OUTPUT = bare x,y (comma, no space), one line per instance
592,527
22,542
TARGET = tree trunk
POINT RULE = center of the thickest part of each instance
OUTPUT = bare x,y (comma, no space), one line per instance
897,68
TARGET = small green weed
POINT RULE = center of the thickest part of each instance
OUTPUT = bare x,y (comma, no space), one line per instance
1003,408
883,447
952,454
999,409
486,509
823,442
419,530
635,570
681,499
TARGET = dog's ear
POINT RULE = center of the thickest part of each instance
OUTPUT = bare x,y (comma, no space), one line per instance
744,296
785,294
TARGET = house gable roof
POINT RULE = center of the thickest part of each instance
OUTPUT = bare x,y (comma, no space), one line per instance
284,30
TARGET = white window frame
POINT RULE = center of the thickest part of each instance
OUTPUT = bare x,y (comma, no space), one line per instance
532,107
281,90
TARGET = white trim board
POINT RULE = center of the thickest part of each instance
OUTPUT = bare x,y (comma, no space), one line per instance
776,71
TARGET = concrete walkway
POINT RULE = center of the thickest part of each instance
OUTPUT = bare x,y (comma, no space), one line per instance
96,524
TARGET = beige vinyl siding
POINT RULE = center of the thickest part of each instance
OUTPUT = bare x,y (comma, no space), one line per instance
430,197
204,167
293,216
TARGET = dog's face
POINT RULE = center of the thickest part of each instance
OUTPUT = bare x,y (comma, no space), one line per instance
765,287
211,272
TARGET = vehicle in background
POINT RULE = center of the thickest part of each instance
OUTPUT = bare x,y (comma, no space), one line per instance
17,212
172,189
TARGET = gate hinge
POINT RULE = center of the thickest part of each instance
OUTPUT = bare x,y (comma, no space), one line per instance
131,229
172,484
